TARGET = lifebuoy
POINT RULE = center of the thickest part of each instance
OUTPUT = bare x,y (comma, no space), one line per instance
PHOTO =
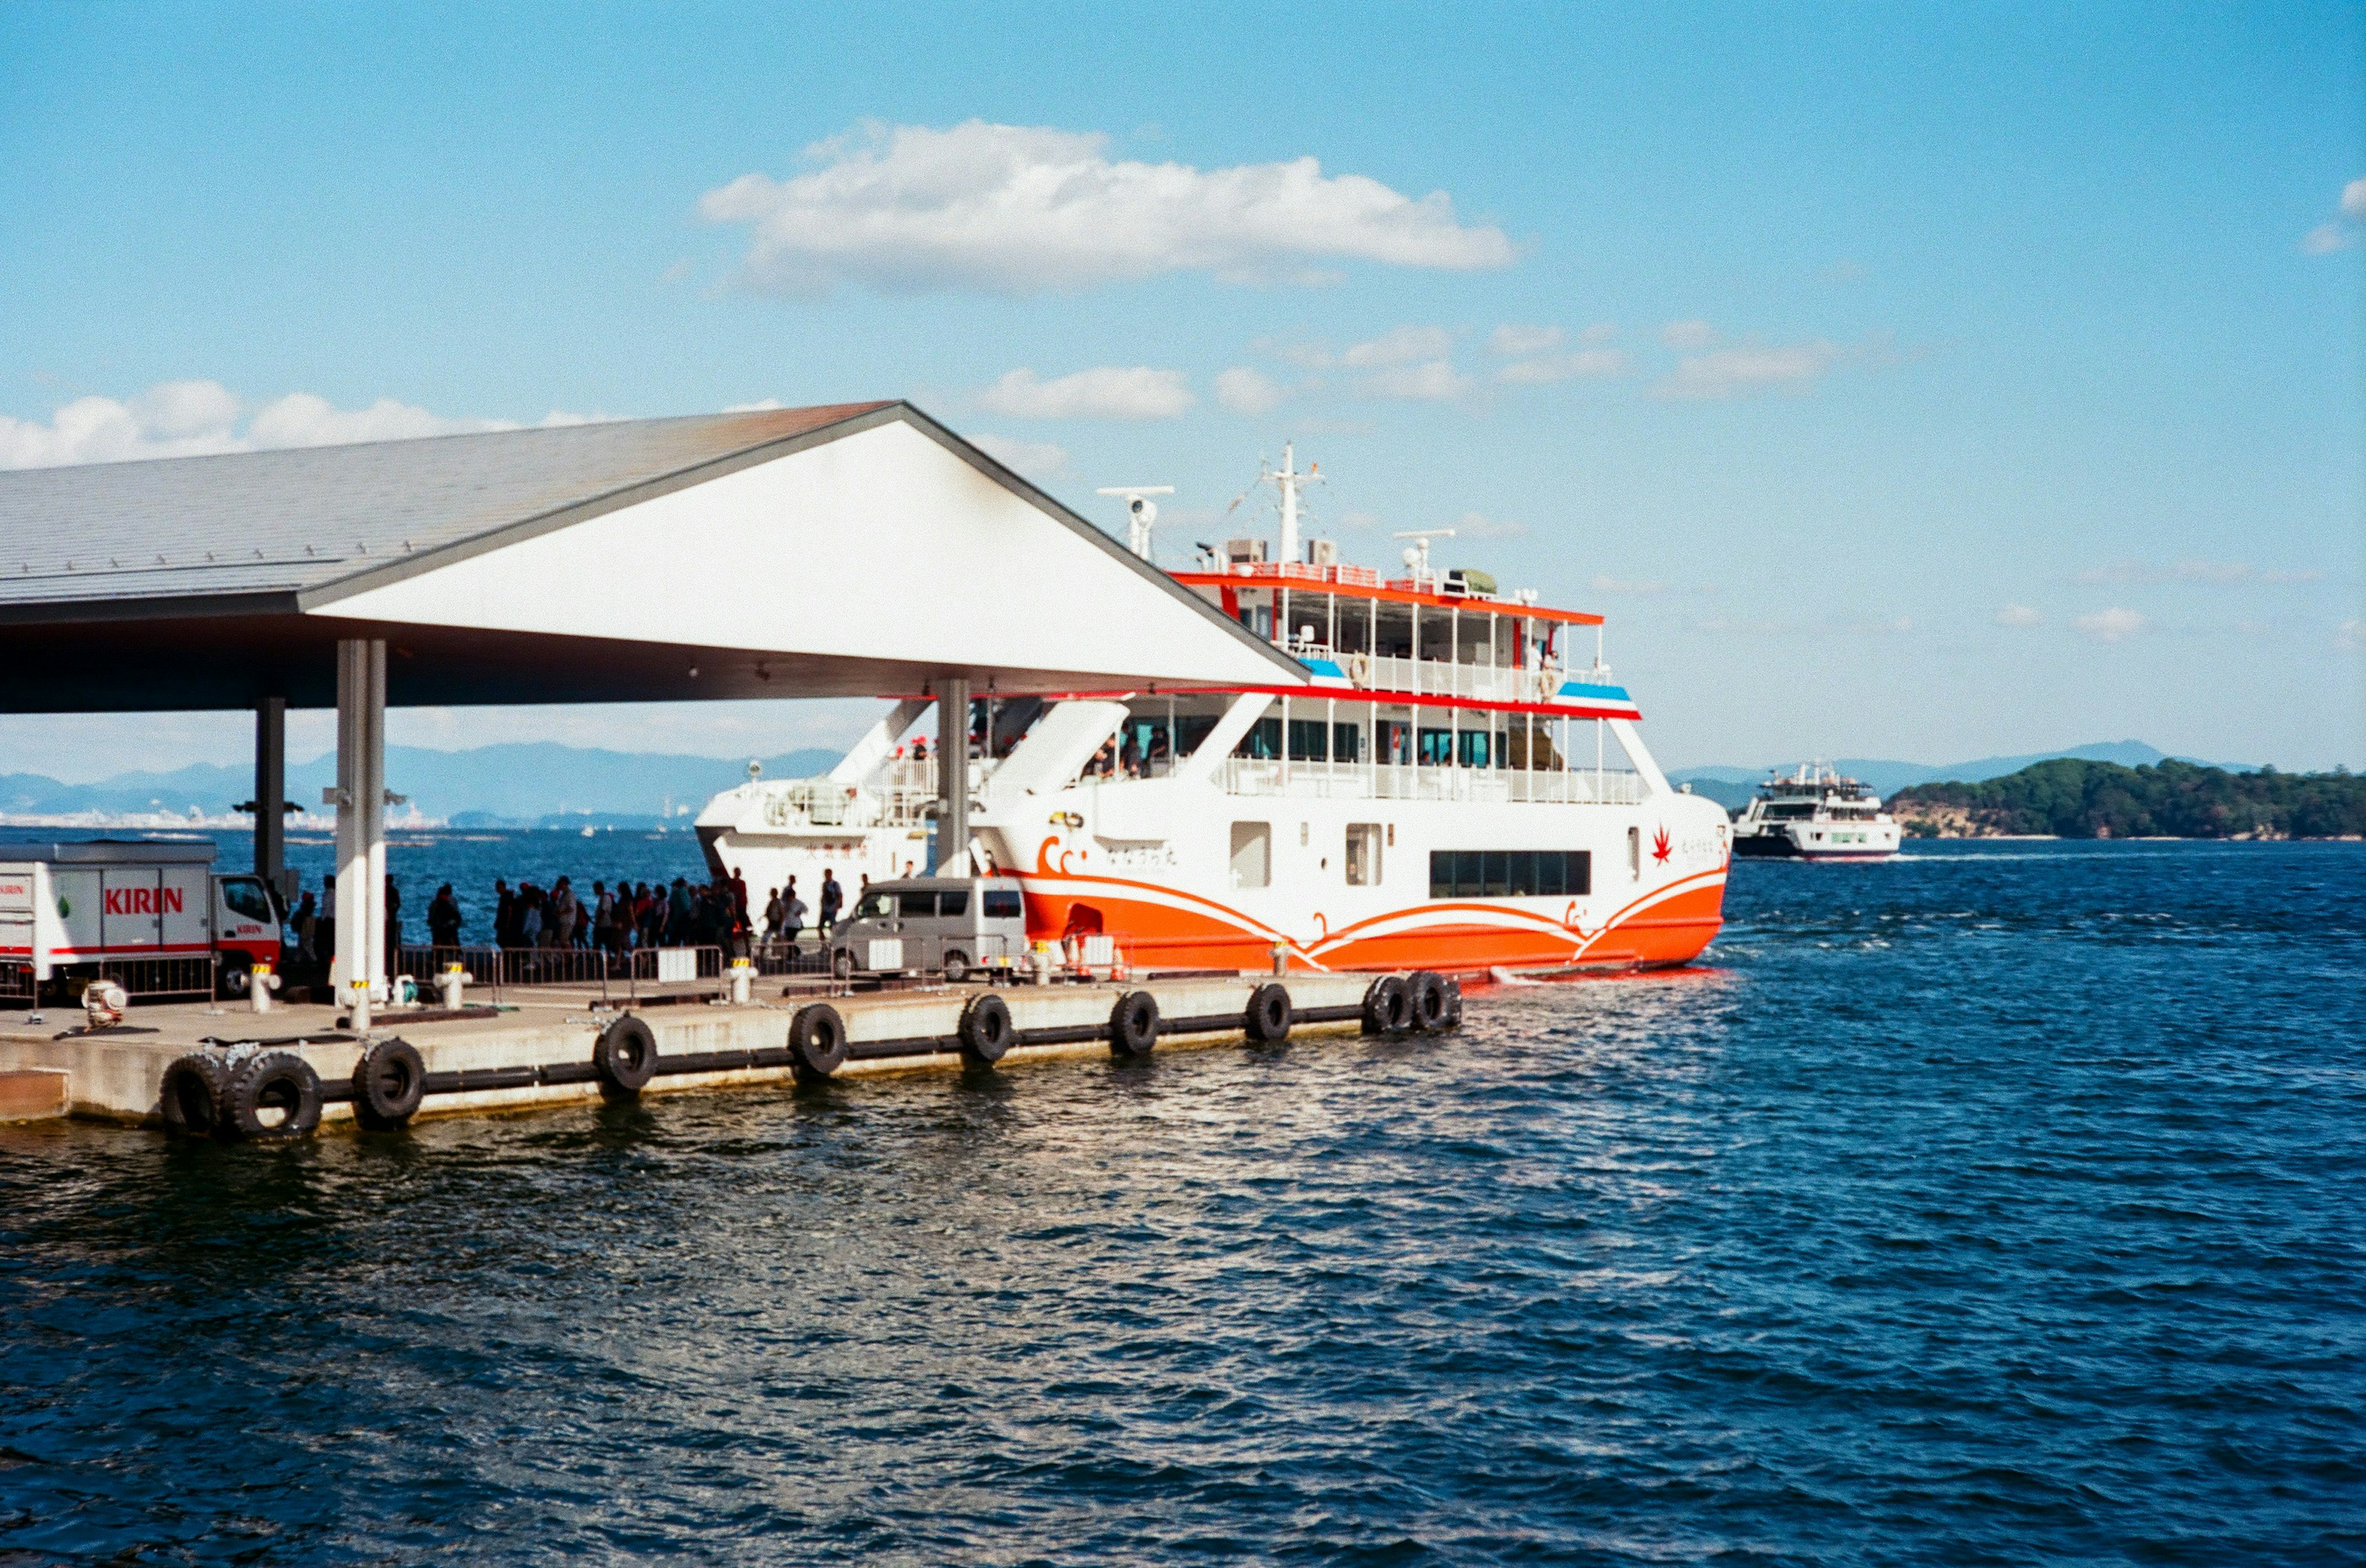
195,1091
1385,1008
817,1042
388,1083
985,1029
1134,1025
1425,1000
627,1056
1359,668
1268,1019
273,1097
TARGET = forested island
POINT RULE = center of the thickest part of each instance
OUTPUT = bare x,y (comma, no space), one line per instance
2072,799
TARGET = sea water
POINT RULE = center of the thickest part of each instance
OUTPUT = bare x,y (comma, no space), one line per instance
2003,1203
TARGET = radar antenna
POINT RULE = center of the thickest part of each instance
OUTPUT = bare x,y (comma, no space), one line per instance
1140,513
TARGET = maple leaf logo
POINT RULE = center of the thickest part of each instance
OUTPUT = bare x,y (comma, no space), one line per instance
1661,847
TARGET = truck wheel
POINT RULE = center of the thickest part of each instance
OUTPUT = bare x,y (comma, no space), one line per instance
986,1032
195,1089
817,1042
274,1098
388,1083
627,1056
1134,1026
237,974
957,967
1268,1019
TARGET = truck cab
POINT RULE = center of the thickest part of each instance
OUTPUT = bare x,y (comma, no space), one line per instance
951,925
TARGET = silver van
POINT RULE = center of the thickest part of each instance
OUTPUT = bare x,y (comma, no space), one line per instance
925,924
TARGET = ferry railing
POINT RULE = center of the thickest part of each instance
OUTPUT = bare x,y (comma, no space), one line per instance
1438,678
1300,571
1397,781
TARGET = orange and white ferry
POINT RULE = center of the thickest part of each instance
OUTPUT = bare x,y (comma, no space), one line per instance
1452,793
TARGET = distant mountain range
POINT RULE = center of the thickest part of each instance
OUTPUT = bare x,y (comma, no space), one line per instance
543,784
1732,787
508,786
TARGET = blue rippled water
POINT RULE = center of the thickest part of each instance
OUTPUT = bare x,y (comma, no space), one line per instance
2002,1204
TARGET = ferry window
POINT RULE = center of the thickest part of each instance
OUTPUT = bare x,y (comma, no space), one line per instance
1189,730
1346,743
953,903
1635,852
1436,748
1252,853
1307,738
916,906
1510,874
1003,903
1263,741
878,906
1475,748
245,897
1363,854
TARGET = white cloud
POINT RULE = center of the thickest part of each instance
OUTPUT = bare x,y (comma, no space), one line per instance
2351,636
1519,342
1243,391
1479,525
1107,391
181,419
2018,616
1744,369
1434,381
1036,459
2113,625
1687,335
2353,200
2328,238
1020,209
1585,364
1399,345
2219,574
1603,583
1359,520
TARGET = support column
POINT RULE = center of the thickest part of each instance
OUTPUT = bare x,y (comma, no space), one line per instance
271,790
952,778
358,974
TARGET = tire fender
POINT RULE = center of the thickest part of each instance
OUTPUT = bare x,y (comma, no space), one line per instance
274,1098
196,1096
1267,1019
1134,1025
389,1081
625,1056
817,1042
1385,1005
1425,1000
985,1029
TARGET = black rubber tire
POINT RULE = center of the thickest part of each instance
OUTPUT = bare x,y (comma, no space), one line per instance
236,974
1454,1004
273,1081
817,1042
1386,1009
1425,1000
957,967
196,1096
1267,1019
1134,1026
985,1029
389,1081
627,1056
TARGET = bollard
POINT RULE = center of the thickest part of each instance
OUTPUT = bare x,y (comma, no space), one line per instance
743,981
361,1006
1042,957
451,983
260,983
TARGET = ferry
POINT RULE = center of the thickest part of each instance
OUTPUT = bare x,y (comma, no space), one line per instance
1815,814
1453,792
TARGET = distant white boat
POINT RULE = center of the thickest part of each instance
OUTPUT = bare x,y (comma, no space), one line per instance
1815,814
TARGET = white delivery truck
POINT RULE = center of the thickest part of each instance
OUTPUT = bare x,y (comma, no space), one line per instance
152,917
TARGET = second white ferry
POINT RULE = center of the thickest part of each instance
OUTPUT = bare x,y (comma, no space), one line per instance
1815,814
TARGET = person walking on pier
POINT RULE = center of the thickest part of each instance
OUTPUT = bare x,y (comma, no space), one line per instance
444,921
832,897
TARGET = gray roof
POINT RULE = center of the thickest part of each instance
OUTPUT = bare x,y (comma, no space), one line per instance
255,523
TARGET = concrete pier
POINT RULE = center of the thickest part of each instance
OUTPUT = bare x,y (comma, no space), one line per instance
536,1050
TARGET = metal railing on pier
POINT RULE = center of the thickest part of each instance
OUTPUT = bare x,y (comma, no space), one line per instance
628,973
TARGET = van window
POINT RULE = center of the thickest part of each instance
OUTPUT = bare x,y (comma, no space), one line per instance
915,904
1252,854
877,906
1003,903
953,903
245,897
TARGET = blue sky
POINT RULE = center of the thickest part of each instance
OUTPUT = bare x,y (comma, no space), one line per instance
1923,382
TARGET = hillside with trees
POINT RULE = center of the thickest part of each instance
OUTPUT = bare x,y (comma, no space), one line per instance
2074,799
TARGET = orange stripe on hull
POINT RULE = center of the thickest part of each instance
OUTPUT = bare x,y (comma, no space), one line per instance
1652,932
